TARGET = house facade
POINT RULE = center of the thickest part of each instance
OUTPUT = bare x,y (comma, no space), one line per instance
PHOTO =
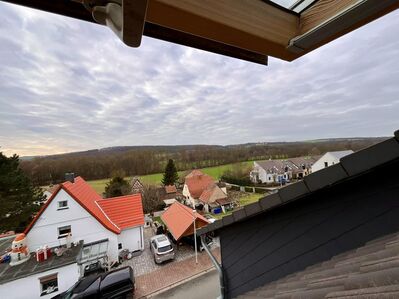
329,158
76,211
277,171
201,189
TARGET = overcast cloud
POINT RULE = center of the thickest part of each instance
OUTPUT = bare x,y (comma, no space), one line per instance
68,85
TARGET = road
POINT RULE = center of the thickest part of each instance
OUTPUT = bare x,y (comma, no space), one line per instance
205,286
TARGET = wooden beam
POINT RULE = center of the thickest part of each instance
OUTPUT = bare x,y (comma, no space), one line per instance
253,25
332,21
321,11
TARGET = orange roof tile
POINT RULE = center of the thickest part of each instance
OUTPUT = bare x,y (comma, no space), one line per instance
170,189
123,211
212,194
193,173
87,197
198,183
179,220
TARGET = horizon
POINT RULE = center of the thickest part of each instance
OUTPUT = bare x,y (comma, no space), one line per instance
58,97
224,145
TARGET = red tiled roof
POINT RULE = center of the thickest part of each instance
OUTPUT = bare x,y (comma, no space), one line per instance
179,220
87,197
170,189
124,211
197,184
193,173
212,194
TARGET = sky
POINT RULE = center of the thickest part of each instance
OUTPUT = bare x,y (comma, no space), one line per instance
68,85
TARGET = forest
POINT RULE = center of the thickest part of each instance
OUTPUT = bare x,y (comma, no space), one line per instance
142,160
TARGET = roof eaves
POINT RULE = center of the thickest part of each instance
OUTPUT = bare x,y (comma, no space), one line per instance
325,177
293,191
370,157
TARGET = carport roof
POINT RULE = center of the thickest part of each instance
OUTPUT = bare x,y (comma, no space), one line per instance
179,220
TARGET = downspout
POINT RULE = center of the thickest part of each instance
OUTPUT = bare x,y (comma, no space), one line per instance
216,264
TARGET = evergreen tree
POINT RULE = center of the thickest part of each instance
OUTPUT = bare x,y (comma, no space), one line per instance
117,186
170,176
19,198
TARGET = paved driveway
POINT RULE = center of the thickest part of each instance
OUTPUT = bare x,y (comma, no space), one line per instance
144,263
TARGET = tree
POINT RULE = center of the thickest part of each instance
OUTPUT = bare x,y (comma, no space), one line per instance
170,176
19,198
151,199
117,186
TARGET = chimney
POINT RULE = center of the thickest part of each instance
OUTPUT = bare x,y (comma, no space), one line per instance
70,176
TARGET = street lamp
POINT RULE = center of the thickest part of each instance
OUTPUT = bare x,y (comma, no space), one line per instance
195,238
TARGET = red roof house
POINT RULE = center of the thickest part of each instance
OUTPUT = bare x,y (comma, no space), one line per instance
76,210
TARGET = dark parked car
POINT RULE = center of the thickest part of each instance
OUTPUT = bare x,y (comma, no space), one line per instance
190,241
116,284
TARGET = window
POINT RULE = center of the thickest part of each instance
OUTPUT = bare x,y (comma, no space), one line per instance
48,284
120,246
325,164
62,205
64,231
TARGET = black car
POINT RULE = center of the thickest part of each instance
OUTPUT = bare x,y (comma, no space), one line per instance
116,284
190,241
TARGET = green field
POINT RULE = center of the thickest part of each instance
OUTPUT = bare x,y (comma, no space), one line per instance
155,179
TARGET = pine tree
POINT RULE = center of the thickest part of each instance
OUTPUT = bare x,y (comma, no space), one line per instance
170,176
117,186
19,198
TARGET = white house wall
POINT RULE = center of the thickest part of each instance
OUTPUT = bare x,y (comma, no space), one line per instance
187,194
29,287
132,238
327,157
83,226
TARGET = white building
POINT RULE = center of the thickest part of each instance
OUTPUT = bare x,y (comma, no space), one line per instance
329,158
75,213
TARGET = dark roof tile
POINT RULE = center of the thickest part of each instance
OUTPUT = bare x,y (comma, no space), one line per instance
372,156
218,224
239,214
202,230
270,201
252,208
228,219
325,177
397,135
293,191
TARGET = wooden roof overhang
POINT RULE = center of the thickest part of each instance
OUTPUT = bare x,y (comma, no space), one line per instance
250,30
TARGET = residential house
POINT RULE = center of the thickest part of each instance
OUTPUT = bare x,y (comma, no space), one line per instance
194,184
272,171
329,158
179,220
302,166
137,185
326,236
201,189
39,279
75,209
169,194
74,214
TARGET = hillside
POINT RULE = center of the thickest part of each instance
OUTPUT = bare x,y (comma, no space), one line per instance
143,160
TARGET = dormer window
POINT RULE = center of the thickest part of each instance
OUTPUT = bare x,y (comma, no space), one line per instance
62,205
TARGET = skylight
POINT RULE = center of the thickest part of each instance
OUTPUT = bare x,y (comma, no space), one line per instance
295,5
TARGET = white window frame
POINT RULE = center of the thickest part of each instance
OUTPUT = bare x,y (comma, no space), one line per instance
59,207
60,236
46,279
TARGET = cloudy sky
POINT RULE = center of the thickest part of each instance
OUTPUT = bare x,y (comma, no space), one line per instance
68,85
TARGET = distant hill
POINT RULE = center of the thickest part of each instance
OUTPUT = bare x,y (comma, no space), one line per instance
141,160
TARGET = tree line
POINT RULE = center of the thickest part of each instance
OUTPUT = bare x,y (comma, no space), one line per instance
99,164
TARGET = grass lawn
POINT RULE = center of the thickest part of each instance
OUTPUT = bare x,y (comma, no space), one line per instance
156,178
245,199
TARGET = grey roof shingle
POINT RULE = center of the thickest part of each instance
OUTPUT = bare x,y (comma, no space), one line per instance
371,271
